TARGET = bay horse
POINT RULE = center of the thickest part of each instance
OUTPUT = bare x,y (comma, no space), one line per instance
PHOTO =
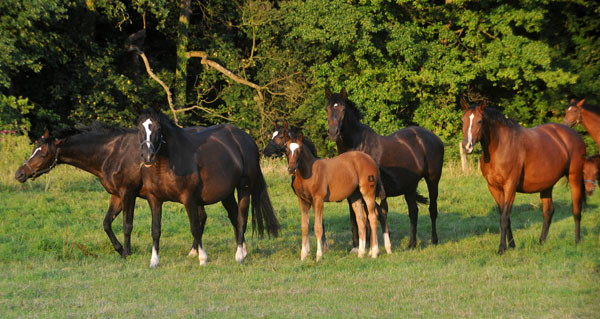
591,168
276,145
201,169
352,175
110,153
524,160
586,114
404,158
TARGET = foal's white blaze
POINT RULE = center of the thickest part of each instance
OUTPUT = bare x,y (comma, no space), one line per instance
275,135
239,254
293,147
387,243
469,146
146,125
202,256
154,259
35,151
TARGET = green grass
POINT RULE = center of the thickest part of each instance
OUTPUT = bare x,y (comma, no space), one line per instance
45,274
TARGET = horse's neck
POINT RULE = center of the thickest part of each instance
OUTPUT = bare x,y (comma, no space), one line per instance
86,154
305,163
351,137
496,136
591,121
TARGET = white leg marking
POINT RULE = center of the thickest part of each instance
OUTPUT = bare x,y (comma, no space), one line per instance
374,251
319,250
239,254
202,256
387,243
305,251
154,259
361,247
193,252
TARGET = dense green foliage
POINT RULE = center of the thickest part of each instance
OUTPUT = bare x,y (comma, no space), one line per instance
404,61
57,261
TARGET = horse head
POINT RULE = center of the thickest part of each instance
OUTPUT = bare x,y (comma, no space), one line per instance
43,158
276,145
336,110
573,115
293,148
590,173
472,122
150,134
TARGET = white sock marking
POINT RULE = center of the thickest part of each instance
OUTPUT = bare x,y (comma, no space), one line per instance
361,247
202,256
154,259
387,243
239,254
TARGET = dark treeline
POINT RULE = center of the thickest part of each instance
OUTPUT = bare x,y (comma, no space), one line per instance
403,62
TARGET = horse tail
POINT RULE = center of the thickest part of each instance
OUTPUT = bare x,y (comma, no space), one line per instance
422,199
262,210
379,189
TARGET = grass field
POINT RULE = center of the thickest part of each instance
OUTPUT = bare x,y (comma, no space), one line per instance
57,261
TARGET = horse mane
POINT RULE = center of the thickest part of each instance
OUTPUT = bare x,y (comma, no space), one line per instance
97,127
355,114
592,108
497,116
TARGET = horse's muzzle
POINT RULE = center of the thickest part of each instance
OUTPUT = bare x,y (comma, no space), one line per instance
20,175
333,133
467,146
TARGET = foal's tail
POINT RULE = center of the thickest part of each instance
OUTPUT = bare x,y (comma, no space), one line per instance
262,210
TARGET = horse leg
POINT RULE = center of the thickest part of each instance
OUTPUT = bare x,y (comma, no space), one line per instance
128,207
242,222
305,215
577,197
382,216
354,228
413,213
372,217
361,220
114,208
197,218
156,208
318,209
509,198
432,186
548,211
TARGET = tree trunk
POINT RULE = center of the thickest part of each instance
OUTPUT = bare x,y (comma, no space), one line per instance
182,58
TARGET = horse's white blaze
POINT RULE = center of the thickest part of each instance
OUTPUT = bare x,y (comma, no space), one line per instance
293,147
335,104
361,247
35,151
239,254
570,108
275,134
146,125
202,256
387,243
469,146
154,259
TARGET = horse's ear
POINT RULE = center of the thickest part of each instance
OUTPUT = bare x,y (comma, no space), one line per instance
275,124
343,93
286,134
327,93
572,101
156,107
483,104
46,133
285,124
57,142
464,104
580,103
299,138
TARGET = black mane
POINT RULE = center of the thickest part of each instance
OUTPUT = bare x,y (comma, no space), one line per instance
592,108
354,113
497,116
98,127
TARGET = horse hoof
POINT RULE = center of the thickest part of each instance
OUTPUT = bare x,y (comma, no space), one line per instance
153,265
354,250
193,253
318,258
239,255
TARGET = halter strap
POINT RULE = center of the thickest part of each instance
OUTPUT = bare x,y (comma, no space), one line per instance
590,181
35,173
149,143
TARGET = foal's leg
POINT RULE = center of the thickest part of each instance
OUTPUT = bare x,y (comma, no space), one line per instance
318,208
548,211
382,209
156,208
114,208
354,228
413,213
305,219
374,246
361,220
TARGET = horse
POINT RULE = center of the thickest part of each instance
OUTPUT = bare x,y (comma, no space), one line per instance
276,145
110,153
201,169
352,175
586,114
404,158
524,160
591,176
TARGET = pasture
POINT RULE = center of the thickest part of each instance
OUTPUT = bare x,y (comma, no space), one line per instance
57,261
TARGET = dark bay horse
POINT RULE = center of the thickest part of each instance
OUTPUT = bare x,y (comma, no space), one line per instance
404,158
586,114
276,145
525,160
110,153
201,169
591,168
352,175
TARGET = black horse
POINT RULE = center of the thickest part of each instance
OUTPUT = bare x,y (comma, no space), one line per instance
404,158
110,153
201,169
276,145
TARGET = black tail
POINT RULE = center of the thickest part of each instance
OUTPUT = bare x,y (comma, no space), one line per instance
422,199
262,210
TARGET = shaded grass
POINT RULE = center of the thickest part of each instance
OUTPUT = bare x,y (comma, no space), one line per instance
45,275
